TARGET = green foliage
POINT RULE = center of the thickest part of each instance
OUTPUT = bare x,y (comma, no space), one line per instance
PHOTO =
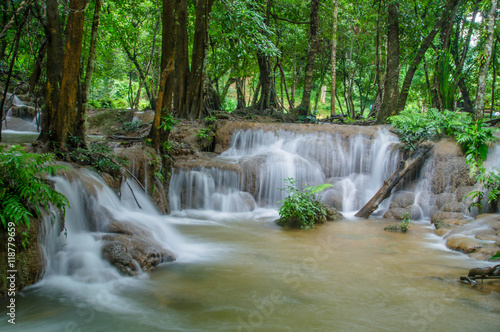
301,209
474,137
131,125
308,118
23,187
495,256
401,227
97,155
491,188
204,134
168,122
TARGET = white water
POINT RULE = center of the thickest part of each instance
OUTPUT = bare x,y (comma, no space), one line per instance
356,167
15,125
74,263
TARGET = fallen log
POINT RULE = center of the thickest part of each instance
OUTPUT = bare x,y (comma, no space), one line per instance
390,183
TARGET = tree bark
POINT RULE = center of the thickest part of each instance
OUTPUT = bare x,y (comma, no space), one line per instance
200,46
55,57
157,133
304,108
37,70
65,123
334,57
240,93
450,7
181,58
83,110
485,61
391,85
390,183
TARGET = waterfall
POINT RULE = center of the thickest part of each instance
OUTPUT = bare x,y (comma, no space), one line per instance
356,166
73,249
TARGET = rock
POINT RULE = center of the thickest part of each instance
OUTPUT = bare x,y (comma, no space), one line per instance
333,198
129,254
403,199
396,228
396,213
442,231
464,244
444,198
454,207
441,224
485,271
332,214
445,216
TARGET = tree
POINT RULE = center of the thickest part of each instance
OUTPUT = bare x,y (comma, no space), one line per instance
305,106
485,59
391,86
65,118
334,58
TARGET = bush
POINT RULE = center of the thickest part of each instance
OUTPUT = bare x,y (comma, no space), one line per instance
23,187
302,209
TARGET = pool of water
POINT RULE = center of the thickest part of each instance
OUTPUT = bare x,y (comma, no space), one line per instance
250,275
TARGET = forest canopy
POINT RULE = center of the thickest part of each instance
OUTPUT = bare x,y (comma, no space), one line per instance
189,58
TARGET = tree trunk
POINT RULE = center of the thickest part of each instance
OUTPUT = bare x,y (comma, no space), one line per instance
240,93
389,184
83,110
305,105
55,57
485,61
200,46
391,86
37,70
11,68
66,109
493,81
157,133
450,7
334,57
181,58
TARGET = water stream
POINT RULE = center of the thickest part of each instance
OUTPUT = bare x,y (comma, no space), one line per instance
238,271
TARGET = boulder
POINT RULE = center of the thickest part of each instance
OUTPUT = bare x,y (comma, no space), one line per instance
130,254
464,244
445,216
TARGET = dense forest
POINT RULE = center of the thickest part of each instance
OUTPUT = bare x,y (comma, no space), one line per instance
188,58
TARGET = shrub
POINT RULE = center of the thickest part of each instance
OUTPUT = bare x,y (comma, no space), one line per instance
302,209
24,188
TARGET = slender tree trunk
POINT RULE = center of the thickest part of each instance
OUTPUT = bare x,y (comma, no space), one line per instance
83,110
55,57
305,105
66,108
493,81
240,93
181,58
450,8
11,67
37,70
485,61
391,86
334,57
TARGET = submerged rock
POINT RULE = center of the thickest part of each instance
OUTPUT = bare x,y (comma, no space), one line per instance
130,255
130,249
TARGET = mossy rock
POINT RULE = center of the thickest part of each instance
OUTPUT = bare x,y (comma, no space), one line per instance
396,228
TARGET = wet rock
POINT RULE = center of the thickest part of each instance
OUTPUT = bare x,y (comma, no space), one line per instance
396,213
333,199
130,254
396,228
331,213
403,199
454,207
464,244
443,199
485,271
445,216
441,224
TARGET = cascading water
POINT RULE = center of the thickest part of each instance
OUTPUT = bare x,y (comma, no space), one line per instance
356,167
74,257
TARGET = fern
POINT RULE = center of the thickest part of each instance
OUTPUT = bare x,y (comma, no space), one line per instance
23,187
